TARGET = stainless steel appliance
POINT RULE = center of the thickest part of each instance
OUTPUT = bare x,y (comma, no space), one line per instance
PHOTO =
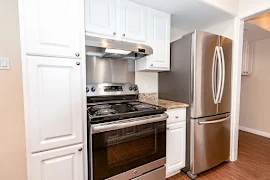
201,76
108,48
126,138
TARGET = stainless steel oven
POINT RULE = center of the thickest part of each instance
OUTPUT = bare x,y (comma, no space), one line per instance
127,149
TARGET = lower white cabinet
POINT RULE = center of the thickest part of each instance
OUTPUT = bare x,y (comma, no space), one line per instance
176,142
59,164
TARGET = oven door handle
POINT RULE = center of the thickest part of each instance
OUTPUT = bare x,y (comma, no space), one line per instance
103,127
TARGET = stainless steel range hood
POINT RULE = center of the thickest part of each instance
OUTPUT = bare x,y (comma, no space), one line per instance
108,48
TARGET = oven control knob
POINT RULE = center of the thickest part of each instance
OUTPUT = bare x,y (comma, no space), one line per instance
135,88
93,89
87,89
135,172
130,88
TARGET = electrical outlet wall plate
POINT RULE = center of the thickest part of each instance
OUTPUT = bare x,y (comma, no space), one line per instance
4,63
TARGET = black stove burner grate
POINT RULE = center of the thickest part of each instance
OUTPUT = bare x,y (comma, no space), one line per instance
103,112
116,111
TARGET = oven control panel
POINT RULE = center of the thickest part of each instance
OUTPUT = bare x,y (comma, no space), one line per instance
111,89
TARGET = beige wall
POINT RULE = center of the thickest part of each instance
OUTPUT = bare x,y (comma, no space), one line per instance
255,91
12,137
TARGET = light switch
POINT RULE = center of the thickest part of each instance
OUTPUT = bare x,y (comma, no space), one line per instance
4,63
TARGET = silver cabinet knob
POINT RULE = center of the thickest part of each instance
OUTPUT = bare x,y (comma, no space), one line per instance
151,65
78,63
114,33
176,117
77,54
124,34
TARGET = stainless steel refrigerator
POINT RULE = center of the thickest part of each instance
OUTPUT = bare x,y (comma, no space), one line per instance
201,77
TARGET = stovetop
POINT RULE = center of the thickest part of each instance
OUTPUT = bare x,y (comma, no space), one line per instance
112,111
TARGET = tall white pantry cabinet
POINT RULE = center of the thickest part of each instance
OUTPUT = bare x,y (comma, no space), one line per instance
52,36
53,61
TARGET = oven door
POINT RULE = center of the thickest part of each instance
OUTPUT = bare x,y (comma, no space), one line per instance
128,148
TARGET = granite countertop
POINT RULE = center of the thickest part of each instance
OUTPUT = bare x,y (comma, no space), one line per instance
151,98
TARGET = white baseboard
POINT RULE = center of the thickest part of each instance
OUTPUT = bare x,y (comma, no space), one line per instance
254,131
170,174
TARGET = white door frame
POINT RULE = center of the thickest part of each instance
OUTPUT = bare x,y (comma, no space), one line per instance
236,77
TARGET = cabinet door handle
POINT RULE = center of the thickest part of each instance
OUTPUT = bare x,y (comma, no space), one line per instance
176,117
168,128
80,149
77,54
124,34
114,33
78,63
152,65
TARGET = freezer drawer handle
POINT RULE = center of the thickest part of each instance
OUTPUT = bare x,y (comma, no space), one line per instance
213,122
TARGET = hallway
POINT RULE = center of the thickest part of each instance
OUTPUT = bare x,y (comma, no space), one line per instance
253,162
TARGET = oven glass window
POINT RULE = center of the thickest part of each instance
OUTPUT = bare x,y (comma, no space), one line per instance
115,152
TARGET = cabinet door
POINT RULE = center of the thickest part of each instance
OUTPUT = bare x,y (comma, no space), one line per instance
132,21
54,96
60,164
52,27
100,17
159,39
176,147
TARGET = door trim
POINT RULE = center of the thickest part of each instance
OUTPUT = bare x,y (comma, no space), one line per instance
236,71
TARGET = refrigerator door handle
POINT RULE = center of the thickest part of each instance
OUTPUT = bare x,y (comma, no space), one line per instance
213,122
223,73
214,72
216,60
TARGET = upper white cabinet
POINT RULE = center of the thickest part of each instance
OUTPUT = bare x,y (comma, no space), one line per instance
248,57
60,164
116,19
100,17
54,95
158,33
52,27
127,21
132,20
159,38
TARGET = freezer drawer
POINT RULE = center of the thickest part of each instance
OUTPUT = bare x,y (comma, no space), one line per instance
210,142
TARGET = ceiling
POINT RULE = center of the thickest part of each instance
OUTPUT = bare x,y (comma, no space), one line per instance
188,15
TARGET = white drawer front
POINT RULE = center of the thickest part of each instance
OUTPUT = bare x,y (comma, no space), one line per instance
176,115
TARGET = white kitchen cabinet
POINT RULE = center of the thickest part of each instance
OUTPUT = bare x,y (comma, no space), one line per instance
158,34
132,20
59,164
176,141
248,57
100,17
54,96
116,19
52,28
